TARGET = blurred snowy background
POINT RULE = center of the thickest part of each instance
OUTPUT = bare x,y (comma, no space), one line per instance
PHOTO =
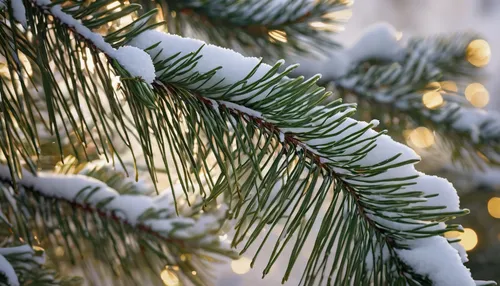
480,191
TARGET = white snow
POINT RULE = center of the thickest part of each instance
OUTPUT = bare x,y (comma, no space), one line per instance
235,66
19,11
379,41
136,62
241,108
84,190
435,258
8,271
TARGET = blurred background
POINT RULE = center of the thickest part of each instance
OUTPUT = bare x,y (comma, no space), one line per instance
479,189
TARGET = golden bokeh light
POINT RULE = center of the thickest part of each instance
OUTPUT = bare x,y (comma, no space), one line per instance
468,239
452,234
59,251
478,53
342,15
432,99
169,278
433,85
477,95
278,35
241,266
326,26
449,85
494,207
421,137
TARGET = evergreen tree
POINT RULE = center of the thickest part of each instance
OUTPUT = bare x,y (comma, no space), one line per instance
129,152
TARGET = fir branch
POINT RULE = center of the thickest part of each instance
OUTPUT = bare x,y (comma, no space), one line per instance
107,220
383,193
393,78
267,28
77,98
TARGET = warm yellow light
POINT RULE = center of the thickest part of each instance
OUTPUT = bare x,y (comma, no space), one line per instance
241,266
477,95
399,35
59,251
342,15
468,239
193,272
433,85
478,53
449,85
278,35
169,278
452,234
494,207
113,5
421,137
124,21
326,26
432,99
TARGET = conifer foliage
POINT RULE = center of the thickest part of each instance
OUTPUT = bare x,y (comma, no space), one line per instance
127,152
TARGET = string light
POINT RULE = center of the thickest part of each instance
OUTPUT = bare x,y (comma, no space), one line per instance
169,278
478,53
432,99
477,95
421,137
241,266
494,207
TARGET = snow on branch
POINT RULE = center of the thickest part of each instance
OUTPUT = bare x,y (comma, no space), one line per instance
8,271
269,28
89,192
136,62
372,166
398,81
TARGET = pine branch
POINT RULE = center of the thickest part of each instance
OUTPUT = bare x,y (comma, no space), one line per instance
374,186
270,147
76,82
27,268
391,79
266,28
124,227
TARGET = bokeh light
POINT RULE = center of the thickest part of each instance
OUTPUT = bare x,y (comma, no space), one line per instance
421,137
477,95
494,207
433,85
449,85
478,53
241,266
278,35
468,239
432,99
169,278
